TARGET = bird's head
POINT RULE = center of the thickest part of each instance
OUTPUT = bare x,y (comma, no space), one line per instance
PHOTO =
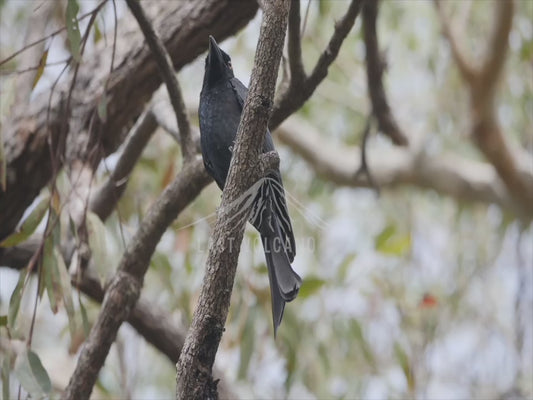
217,65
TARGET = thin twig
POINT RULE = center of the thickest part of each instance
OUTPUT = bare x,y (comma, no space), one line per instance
105,199
82,17
374,69
364,168
166,69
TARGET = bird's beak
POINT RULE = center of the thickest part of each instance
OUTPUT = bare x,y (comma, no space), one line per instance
215,62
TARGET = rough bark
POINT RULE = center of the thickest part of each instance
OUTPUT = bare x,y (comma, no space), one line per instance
194,369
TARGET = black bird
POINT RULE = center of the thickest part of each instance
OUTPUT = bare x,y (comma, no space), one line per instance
221,103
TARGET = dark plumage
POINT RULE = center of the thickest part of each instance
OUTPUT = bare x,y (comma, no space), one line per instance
221,102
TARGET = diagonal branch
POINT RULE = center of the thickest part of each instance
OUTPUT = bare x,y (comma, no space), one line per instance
124,288
465,66
149,322
169,76
194,369
374,70
294,96
511,164
103,202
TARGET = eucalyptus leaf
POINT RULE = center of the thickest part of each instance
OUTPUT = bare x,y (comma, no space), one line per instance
31,374
29,225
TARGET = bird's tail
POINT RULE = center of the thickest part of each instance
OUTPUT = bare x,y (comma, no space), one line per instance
284,282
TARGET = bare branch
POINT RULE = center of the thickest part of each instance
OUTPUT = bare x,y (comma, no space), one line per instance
466,68
486,130
447,174
169,76
492,66
124,288
295,45
194,376
295,96
364,168
374,70
105,199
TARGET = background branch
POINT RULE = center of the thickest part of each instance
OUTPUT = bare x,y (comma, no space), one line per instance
512,165
103,202
447,174
374,70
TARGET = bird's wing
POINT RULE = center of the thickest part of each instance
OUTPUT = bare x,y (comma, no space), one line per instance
274,180
241,91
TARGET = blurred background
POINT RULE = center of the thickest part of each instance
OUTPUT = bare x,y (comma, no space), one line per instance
408,292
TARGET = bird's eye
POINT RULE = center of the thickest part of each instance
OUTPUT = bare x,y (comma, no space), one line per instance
229,65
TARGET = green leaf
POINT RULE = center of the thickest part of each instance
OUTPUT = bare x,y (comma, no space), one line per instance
52,280
3,320
102,108
385,235
365,347
66,289
403,359
310,286
97,32
343,268
73,30
6,367
3,164
84,319
247,346
40,68
14,301
97,243
29,225
393,243
31,374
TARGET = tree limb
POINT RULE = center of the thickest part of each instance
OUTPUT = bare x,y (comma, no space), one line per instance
486,131
194,369
374,70
449,175
466,69
124,288
103,202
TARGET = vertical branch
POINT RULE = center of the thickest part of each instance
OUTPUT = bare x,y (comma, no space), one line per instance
374,71
194,369
295,45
